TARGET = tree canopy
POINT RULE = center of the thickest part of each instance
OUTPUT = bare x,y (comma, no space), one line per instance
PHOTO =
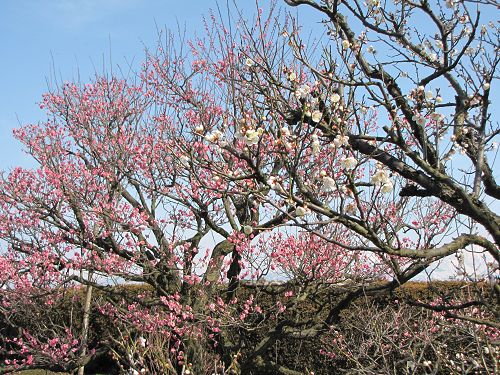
337,167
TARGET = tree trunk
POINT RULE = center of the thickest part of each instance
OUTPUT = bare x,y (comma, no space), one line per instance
85,324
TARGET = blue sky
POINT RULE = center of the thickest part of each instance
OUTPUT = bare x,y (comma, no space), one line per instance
67,39
64,40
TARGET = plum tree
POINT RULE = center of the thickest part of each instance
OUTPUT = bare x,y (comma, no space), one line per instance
340,168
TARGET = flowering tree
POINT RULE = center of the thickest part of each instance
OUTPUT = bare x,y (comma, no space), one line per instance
249,157
438,345
434,87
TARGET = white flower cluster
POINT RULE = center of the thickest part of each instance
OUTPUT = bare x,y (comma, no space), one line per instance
285,131
315,145
341,140
249,136
419,119
316,116
142,341
328,182
350,163
380,178
335,98
303,91
252,136
274,183
214,136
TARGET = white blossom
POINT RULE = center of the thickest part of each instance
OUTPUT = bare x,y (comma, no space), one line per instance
380,177
469,51
316,148
247,229
199,129
214,136
315,145
285,131
252,137
302,91
316,116
142,341
371,50
419,119
387,187
486,86
273,183
335,98
328,184
345,44
341,140
350,163
249,62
